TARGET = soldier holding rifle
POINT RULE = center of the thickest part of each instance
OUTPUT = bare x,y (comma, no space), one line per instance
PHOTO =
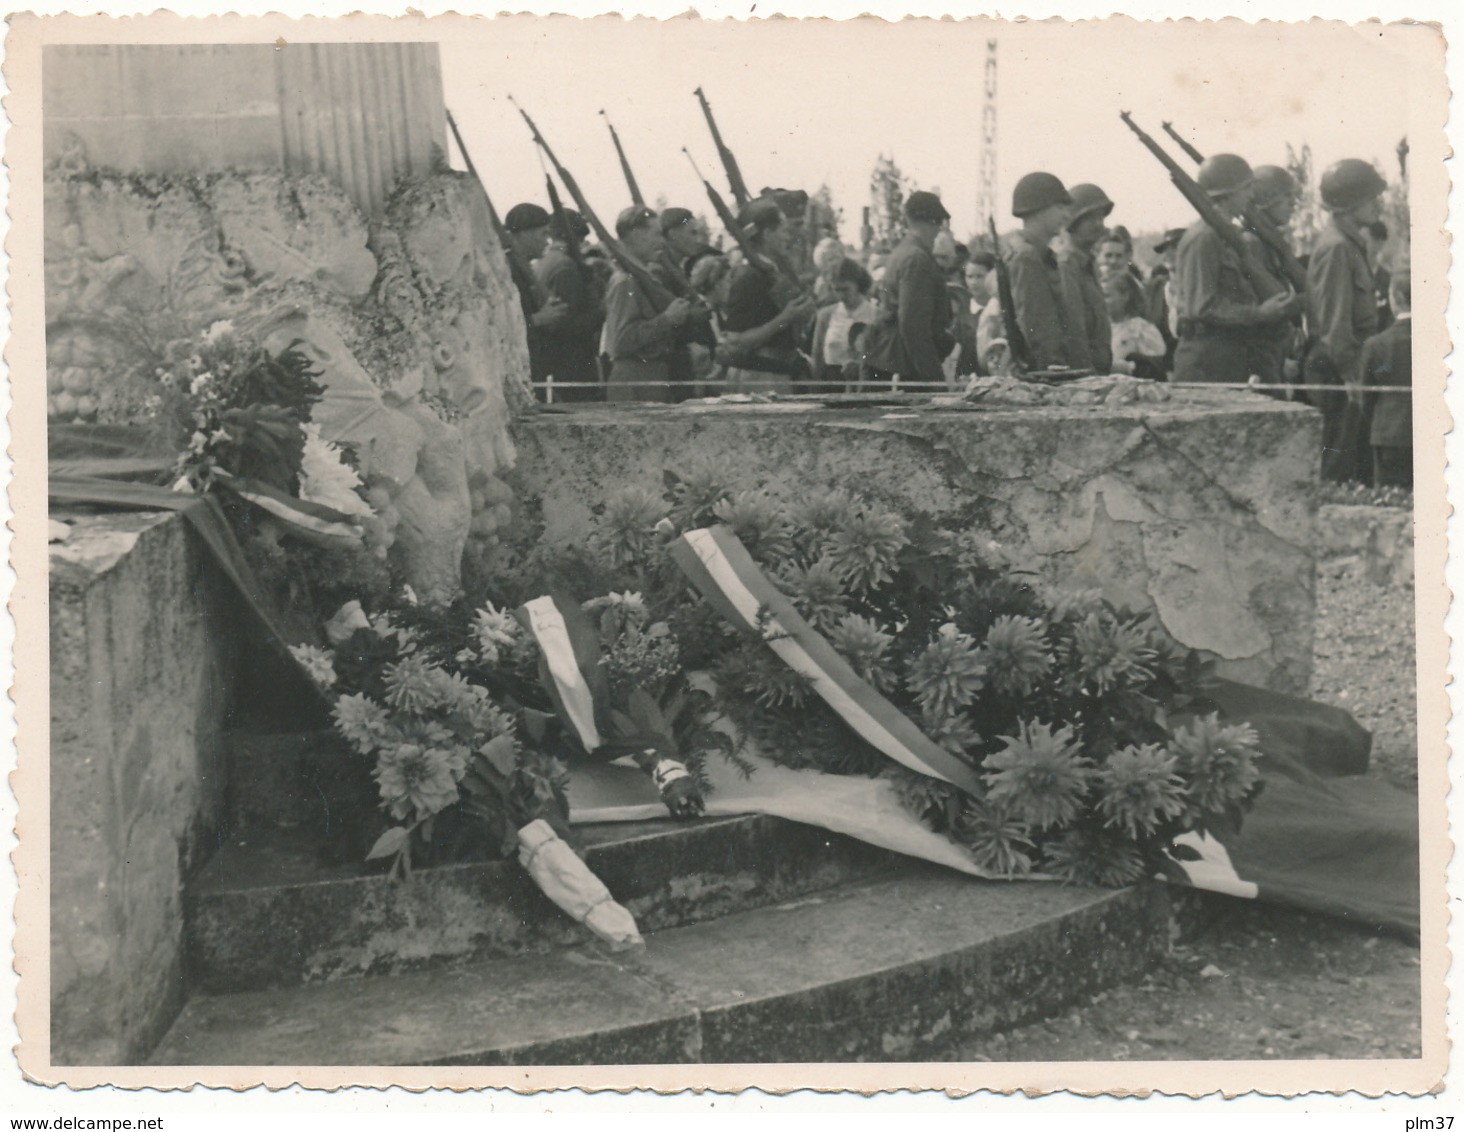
1085,227
1342,313
1222,316
679,244
640,338
766,357
1279,347
527,228
566,349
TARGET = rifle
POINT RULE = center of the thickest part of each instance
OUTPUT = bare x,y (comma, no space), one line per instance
1250,263
738,234
635,193
1016,340
561,220
1258,222
659,296
729,163
522,277
1190,151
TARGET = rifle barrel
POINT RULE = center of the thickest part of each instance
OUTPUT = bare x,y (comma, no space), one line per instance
659,296
1190,151
1257,221
1254,270
519,270
729,162
630,183
1016,340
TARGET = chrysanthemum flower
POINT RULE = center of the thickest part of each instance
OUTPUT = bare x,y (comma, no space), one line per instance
759,524
865,549
1218,763
317,663
1064,604
626,531
1016,654
1110,653
975,551
415,782
952,730
1093,855
695,494
452,688
815,515
482,717
412,684
817,592
1138,787
361,721
326,479
996,838
494,629
863,644
949,673
1040,775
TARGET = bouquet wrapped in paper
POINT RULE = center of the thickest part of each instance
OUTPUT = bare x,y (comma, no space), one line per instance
567,880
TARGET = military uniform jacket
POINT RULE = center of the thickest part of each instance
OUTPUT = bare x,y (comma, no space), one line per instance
1387,359
1094,338
634,330
566,348
1211,290
1341,306
1041,305
911,336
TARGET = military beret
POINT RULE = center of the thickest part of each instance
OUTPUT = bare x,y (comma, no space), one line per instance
523,217
636,216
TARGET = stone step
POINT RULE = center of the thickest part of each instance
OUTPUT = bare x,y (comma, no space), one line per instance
898,968
265,912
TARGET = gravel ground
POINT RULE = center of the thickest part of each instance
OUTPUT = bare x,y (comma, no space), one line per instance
1365,663
1253,981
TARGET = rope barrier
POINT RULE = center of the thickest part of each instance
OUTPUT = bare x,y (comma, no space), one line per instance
899,386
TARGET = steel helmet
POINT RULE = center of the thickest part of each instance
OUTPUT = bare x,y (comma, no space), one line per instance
1349,183
1224,173
1037,191
1088,199
1273,183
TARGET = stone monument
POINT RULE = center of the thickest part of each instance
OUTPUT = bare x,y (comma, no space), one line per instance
299,192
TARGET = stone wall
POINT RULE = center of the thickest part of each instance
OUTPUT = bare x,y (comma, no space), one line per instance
143,650
1199,508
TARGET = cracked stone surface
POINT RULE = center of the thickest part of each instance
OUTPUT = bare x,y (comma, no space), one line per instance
1199,509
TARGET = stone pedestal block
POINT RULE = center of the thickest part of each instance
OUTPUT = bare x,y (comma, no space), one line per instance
1199,509
142,661
364,114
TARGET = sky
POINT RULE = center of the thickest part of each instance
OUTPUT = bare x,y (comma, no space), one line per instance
803,103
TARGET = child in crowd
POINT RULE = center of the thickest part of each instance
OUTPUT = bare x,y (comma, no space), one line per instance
1387,359
1138,347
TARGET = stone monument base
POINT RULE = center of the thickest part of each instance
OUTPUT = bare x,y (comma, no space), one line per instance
1198,508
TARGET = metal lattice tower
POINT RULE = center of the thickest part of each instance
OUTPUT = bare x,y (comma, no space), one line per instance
986,200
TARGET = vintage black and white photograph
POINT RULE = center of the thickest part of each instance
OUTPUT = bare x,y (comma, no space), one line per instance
586,544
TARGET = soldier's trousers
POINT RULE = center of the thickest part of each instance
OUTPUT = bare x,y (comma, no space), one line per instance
1212,358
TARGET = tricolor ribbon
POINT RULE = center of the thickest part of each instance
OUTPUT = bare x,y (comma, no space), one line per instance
571,690
718,565
313,522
